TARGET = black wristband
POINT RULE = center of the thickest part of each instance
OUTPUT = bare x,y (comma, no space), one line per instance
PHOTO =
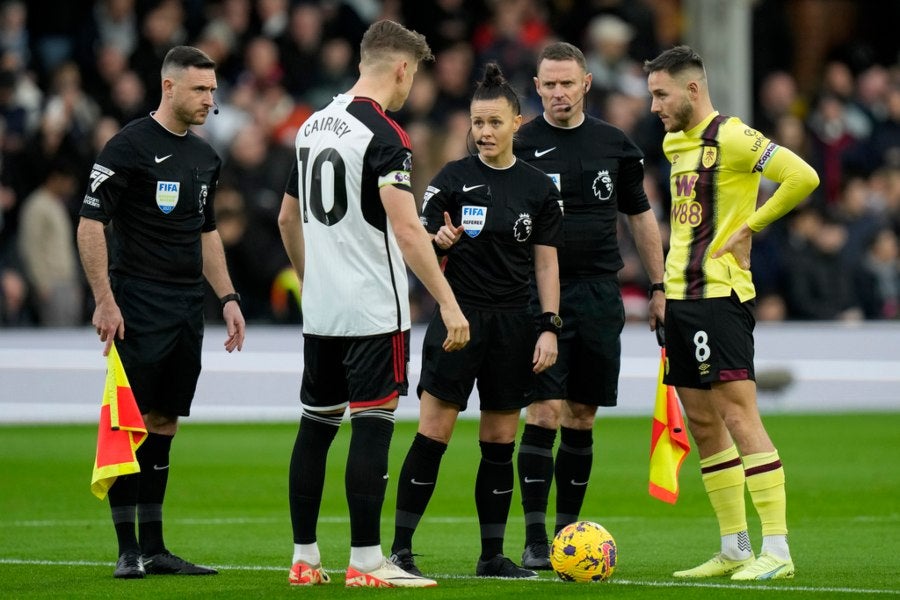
549,322
655,287
229,297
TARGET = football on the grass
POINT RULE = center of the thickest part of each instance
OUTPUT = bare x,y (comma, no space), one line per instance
583,551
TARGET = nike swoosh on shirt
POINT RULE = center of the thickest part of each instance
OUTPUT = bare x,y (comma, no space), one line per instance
414,482
159,160
469,188
540,153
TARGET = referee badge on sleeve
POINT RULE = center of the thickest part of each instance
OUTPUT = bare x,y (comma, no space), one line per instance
167,195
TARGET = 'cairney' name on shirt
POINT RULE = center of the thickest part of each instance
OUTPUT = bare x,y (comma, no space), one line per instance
338,126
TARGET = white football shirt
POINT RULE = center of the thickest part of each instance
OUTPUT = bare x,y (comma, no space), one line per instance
355,282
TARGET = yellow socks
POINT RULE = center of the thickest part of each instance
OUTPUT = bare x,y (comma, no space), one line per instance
765,480
723,478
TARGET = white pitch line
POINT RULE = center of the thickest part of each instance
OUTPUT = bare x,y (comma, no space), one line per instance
266,520
622,582
754,587
892,518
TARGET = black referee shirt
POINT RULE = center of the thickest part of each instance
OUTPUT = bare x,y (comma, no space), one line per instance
599,172
505,212
157,189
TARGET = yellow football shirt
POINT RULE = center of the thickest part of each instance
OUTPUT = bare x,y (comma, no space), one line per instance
716,169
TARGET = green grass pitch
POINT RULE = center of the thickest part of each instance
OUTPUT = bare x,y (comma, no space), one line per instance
227,506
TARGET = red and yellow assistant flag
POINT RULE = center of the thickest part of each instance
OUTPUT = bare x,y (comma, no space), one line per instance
121,430
669,443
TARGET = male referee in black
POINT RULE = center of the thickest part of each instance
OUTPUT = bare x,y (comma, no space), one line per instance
599,172
153,187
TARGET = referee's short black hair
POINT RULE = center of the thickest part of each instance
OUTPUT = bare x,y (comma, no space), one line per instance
182,57
562,51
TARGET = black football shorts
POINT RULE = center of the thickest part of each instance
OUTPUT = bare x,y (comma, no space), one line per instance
358,372
708,341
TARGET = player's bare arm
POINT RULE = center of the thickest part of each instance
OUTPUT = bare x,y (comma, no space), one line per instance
291,227
415,244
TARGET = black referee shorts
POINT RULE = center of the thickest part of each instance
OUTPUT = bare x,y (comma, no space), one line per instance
587,368
163,341
708,341
498,356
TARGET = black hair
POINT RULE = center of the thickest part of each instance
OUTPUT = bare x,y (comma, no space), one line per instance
182,57
494,85
562,51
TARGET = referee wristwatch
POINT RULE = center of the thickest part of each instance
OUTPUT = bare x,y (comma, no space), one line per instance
655,287
550,322
229,297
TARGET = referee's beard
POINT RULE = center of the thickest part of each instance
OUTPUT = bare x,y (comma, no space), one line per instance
196,117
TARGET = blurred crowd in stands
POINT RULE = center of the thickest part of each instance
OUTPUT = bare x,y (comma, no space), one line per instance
826,80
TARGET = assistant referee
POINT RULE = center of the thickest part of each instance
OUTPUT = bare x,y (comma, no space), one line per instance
151,191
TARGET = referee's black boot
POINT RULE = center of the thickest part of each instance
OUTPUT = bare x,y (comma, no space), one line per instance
536,556
166,563
129,566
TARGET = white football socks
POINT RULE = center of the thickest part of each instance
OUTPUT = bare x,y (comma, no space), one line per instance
736,546
366,558
777,546
308,553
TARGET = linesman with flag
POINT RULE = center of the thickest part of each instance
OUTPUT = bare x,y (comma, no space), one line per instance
151,194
